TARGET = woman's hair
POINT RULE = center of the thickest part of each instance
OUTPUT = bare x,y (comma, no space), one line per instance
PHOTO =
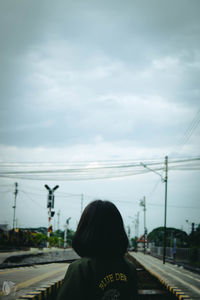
100,232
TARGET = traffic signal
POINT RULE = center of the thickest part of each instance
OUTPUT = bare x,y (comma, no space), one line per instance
50,200
50,229
52,213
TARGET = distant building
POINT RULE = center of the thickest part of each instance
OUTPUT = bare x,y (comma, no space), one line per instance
140,243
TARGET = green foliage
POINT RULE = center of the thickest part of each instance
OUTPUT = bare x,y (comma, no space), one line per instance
133,241
38,239
35,229
156,236
194,238
57,238
194,255
59,233
33,237
54,241
70,234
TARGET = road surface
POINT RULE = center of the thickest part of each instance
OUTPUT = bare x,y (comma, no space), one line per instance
19,281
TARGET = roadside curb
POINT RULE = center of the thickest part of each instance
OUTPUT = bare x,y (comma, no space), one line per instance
172,289
6,266
44,293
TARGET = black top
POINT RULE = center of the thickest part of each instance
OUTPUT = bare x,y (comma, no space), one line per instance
99,279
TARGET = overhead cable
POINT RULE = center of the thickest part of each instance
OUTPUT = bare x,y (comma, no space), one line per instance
54,171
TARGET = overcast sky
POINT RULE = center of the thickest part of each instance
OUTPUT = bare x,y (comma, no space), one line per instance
100,80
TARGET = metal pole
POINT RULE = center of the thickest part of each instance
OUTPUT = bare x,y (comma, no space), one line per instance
50,204
135,227
49,225
138,223
81,203
144,213
65,237
165,213
144,225
14,206
143,203
58,214
65,232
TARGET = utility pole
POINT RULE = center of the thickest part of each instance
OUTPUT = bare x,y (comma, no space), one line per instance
137,224
50,205
58,224
15,204
165,180
82,198
129,232
143,203
65,233
131,227
165,213
137,227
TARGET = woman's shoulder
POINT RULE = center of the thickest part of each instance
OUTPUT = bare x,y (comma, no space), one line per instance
84,261
85,264
82,264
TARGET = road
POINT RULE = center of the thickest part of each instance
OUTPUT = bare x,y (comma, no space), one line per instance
46,255
27,279
173,277
5,255
15,282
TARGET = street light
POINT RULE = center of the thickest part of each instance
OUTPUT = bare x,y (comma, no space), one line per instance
165,180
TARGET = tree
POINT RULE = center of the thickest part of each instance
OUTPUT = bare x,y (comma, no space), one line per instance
194,244
194,237
156,237
70,234
134,241
38,239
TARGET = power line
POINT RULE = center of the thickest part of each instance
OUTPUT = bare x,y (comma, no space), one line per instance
34,201
111,199
189,131
191,128
54,172
174,206
155,187
5,192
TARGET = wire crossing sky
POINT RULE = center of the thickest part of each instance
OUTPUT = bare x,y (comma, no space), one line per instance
91,171
93,90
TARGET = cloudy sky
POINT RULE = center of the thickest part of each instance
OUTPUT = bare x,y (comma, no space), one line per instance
100,80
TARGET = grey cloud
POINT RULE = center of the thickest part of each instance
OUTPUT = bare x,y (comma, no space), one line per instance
92,80
60,58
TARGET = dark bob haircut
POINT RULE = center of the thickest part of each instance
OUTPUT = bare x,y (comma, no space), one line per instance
100,232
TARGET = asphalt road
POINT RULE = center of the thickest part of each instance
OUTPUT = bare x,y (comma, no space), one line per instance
35,256
15,282
19,281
